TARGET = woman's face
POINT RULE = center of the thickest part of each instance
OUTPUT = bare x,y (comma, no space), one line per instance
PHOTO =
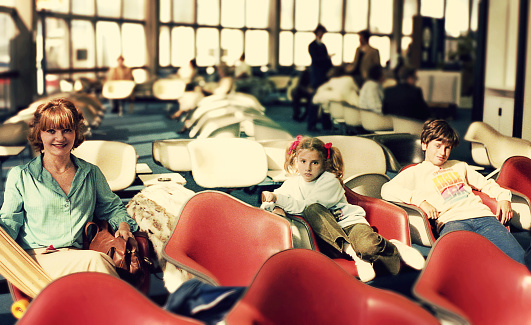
310,164
58,142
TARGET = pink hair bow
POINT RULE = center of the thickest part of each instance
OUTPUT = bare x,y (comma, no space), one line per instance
328,146
295,144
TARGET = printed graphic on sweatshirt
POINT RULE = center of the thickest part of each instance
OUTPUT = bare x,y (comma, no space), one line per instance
450,185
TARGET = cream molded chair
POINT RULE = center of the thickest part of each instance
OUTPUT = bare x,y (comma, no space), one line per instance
117,161
172,154
276,155
491,148
13,140
406,125
360,155
227,162
168,88
222,113
352,116
375,122
367,184
119,90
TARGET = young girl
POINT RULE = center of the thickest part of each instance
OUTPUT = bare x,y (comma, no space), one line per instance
317,194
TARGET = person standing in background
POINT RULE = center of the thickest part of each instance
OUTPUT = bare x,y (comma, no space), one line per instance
119,72
320,65
365,58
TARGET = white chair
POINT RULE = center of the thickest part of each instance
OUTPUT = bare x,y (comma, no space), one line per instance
352,116
337,111
369,184
116,160
119,90
172,154
168,88
227,163
360,155
225,111
375,122
407,125
491,148
276,155
226,127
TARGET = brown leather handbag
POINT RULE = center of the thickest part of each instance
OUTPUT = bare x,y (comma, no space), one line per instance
99,237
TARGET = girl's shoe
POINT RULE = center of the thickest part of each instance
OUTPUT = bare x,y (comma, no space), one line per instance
409,255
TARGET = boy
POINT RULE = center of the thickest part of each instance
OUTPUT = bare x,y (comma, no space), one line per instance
443,190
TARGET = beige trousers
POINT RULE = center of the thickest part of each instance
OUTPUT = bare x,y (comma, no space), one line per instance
72,260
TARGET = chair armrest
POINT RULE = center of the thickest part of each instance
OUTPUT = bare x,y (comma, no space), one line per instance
521,211
422,230
184,262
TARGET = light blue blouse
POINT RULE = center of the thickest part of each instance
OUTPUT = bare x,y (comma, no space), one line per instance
37,213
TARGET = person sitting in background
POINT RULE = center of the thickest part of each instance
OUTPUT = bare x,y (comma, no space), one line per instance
302,92
371,93
48,201
188,74
405,99
119,72
241,69
340,87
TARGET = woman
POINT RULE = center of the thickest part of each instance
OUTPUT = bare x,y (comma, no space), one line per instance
48,201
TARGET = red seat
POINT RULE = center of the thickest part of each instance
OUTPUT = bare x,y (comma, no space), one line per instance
95,298
300,286
387,219
469,279
223,240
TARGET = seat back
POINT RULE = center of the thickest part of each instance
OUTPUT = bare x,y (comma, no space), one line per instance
172,154
168,89
301,286
223,240
498,146
352,116
227,162
367,184
118,89
356,152
406,125
276,155
14,134
469,279
116,160
83,298
401,149
372,121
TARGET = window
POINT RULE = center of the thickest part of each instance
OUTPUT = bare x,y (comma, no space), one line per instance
356,15
456,19
257,47
410,10
286,14
108,43
306,14
231,45
83,7
432,8
257,14
302,41
334,45
7,32
84,54
60,6
207,46
381,20
164,46
109,8
208,12
165,11
183,11
134,9
331,13
285,48
132,35
232,13
57,44
182,45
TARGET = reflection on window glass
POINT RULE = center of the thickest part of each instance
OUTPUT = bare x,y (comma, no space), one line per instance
7,32
381,20
331,13
57,56
286,14
356,15
432,8
456,20
208,12
53,5
285,57
231,45
109,8
83,52
383,44
410,10
302,41
306,15
7,3
406,41
134,9
164,46
83,7
207,46
474,16
183,11
107,43
232,13
134,44
182,45
257,14
334,45
165,11
350,44
257,47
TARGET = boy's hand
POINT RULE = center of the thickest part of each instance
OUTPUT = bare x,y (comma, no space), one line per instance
504,211
268,197
430,211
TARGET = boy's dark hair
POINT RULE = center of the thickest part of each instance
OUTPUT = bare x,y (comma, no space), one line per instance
439,130
406,72
366,34
319,28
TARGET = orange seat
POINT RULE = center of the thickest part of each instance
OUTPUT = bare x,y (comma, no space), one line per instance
387,219
467,279
300,286
224,241
95,298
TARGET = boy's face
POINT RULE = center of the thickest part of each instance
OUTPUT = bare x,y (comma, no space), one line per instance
436,151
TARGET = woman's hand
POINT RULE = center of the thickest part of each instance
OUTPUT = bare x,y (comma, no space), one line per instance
504,211
430,211
124,231
268,197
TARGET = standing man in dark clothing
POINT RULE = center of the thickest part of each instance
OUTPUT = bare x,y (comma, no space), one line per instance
405,99
320,65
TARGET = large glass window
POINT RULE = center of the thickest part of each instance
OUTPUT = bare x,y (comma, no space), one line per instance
232,13
302,41
257,14
134,9
410,10
108,44
257,47
334,45
207,46
285,48
132,35
57,44
183,11
109,8
53,5
83,44
456,18
356,15
182,45
432,8
306,14
231,45
7,32
381,20
83,7
331,13
207,12
286,14
164,46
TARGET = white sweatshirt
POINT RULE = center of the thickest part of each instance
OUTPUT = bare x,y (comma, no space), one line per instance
296,194
447,188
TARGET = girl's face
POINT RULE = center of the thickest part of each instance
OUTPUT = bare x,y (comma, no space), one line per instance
58,142
310,164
